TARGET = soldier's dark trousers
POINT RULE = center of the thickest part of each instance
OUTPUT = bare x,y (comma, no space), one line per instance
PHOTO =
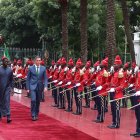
61,98
93,87
87,96
137,113
100,108
69,99
106,103
115,109
124,101
55,96
132,98
78,101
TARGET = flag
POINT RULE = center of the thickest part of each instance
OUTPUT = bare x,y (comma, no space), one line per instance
6,53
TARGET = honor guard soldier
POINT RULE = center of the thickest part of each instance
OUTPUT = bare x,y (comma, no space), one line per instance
125,82
137,105
116,92
86,83
54,83
50,73
101,84
69,84
132,82
60,84
79,88
95,71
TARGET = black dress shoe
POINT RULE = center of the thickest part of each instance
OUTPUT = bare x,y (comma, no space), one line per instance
9,120
133,134
123,106
86,106
34,118
68,110
55,105
43,100
76,113
98,121
113,126
60,108
106,110
137,135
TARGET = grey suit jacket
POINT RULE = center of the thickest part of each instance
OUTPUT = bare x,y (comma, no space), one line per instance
36,81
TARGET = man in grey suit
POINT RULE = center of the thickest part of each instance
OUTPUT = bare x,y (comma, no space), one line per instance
36,83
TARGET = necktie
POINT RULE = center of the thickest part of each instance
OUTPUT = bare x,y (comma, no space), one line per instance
37,70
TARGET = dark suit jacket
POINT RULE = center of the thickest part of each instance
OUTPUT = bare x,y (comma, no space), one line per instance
36,81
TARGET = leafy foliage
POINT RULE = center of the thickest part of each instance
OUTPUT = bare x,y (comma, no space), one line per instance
24,22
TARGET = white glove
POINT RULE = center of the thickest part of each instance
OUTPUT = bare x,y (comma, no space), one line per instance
74,69
55,81
130,72
54,67
59,67
50,77
131,85
112,69
19,75
92,70
99,88
68,83
50,67
78,84
14,74
112,90
137,93
98,68
66,69
94,83
60,83
136,69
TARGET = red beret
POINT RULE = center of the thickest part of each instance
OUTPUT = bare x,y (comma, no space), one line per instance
118,60
71,63
79,62
96,64
105,62
88,64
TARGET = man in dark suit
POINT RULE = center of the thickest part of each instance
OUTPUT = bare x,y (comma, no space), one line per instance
6,79
36,83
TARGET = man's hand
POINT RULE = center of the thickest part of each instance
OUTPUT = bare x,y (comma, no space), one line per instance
28,91
99,88
78,84
68,83
137,93
45,89
55,81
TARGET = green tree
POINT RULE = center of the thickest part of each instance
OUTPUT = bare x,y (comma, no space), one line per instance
16,24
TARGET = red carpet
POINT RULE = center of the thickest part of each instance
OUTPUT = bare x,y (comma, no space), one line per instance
46,128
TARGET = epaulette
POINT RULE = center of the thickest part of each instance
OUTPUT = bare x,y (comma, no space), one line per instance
120,75
81,72
105,74
128,72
